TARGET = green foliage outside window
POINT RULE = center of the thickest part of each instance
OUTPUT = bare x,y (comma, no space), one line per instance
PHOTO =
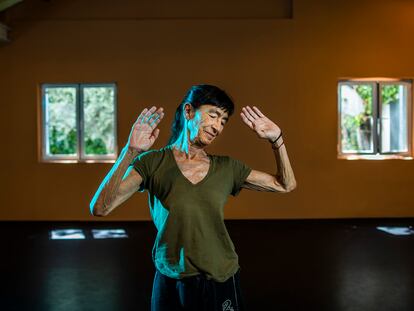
99,120
61,143
98,113
61,111
357,129
95,146
390,94
357,126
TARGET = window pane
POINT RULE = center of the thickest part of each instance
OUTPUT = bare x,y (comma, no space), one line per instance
99,120
60,120
356,102
394,118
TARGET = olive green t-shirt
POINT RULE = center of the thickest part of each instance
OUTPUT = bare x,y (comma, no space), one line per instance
192,237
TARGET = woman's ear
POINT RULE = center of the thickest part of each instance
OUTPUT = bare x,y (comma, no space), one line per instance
189,111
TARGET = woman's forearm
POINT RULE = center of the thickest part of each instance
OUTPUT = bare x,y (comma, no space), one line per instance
108,189
284,173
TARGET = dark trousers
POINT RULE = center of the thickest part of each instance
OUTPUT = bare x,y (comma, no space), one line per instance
196,293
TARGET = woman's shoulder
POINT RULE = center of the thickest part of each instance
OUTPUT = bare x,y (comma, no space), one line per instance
155,151
228,160
151,155
220,158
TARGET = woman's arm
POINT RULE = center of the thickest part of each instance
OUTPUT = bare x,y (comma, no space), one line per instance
119,184
284,179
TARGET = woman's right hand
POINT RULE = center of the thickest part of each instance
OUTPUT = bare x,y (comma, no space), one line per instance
144,131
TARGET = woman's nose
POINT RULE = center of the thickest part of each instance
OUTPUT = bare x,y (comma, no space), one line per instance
216,128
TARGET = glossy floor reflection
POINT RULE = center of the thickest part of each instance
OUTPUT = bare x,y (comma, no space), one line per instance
335,265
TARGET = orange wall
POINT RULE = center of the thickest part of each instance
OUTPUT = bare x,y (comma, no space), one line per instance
287,67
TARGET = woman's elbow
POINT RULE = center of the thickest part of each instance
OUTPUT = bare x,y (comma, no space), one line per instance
291,187
95,211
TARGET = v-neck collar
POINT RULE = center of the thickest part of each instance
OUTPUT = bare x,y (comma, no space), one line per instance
210,168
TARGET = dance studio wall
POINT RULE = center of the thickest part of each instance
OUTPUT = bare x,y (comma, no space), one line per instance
287,65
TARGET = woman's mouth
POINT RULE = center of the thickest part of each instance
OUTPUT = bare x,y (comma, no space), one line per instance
211,136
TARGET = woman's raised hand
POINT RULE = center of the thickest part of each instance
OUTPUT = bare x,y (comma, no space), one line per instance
258,122
144,131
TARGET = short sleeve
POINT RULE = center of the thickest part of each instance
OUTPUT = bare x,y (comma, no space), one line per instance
145,165
240,173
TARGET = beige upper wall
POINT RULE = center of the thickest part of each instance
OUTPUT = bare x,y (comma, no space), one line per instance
286,67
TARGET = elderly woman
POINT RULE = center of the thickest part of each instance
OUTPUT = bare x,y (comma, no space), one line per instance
196,264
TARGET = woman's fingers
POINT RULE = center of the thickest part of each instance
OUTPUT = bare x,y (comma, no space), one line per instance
141,116
246,120
252,113
258,111
148,115
156,118
248,115
156,133
154,122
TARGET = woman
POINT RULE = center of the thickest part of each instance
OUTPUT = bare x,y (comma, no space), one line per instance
196,263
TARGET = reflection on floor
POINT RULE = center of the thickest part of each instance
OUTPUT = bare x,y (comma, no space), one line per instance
66,234
398,230
78,234
335,265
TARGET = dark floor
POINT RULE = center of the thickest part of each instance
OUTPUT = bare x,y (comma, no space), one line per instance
335,265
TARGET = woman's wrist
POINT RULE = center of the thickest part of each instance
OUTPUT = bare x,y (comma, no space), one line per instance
277,141
278,144
273,140
134,151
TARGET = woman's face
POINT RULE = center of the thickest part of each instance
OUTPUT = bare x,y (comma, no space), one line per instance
208,123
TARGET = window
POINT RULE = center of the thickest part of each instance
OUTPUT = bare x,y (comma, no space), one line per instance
78,123
374,119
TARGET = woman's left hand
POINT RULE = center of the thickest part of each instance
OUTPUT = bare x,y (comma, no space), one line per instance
258,122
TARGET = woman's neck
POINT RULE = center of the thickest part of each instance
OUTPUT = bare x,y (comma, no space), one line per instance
191,150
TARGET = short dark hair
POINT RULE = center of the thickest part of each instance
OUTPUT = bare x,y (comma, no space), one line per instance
198,95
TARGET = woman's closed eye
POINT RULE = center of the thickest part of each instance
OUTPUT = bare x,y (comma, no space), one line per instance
213,116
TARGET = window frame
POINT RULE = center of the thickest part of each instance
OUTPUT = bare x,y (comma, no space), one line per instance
376,115
409,116
81,157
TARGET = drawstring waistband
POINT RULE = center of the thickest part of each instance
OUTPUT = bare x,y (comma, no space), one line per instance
206,290
206,286
235,293
197,292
